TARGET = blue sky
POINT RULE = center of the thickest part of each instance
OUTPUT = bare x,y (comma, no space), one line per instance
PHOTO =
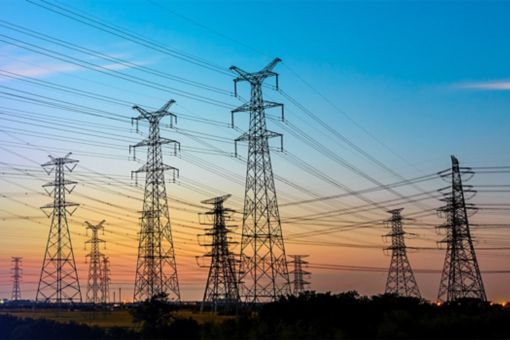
423,65
408,82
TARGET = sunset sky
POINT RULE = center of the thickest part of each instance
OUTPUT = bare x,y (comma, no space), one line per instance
375,93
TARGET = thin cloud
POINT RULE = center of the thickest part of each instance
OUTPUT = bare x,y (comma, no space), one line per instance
37,71
31,66
497,85
121,66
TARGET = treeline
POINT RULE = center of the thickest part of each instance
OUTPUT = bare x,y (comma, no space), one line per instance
350,316
12,327
309,316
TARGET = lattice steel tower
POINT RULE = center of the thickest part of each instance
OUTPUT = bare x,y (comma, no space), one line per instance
106,279
400,279
16,276
156,270
221,289
95,287
263,274
59,278
300,275
461,276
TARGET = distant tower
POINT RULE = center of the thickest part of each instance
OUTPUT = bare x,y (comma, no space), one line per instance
300,275
461,276
263,274
156,269
95,285
16,278
400,279
59,279
106,279
221,290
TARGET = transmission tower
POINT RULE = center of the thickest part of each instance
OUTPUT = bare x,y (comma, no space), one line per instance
59,278
95,287
300,275
461,276
400,279
106,279
156,270
221,290
16,278
263,273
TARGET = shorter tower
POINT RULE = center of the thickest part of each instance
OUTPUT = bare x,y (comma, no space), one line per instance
401,279
106,279
300,275
221,290
95,287
461,277
16,278
59,277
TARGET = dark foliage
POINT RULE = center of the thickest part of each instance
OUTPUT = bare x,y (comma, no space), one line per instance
15,328
157,321
309,316
350,316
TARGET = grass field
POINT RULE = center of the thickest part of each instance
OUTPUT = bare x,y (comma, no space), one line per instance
106,319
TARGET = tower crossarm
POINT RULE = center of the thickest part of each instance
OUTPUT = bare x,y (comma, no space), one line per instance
255,77
155,116
247,137
160,141
247,107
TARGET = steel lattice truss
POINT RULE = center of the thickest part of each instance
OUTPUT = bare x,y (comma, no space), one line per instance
106,279
96,283
221,290
300,275
16,278
461,276
263,274
400,279
59,279
156,270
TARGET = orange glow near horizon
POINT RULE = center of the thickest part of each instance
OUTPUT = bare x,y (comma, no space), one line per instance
121,228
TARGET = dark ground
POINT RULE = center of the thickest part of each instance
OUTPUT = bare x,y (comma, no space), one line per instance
309,316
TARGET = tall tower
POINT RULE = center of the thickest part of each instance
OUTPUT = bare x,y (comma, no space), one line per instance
263,274
461,276
16,278
59,279
300,275
400,279
95,281
221,289
156,270
106,279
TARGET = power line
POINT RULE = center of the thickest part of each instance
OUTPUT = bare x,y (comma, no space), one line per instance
125,34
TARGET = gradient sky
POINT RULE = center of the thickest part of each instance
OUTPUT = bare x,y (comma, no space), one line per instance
409,83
